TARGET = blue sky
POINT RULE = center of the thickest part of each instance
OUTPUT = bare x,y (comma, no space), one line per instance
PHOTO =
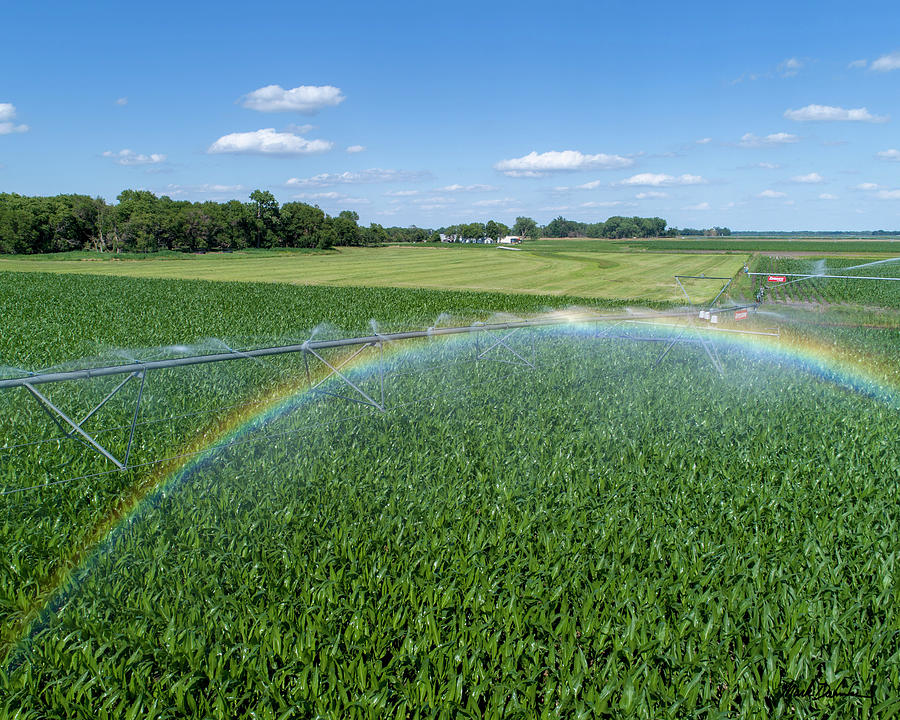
765,116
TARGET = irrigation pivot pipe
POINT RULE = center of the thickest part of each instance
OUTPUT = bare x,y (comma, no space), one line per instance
312,347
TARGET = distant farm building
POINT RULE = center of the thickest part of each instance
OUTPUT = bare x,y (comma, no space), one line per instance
511,240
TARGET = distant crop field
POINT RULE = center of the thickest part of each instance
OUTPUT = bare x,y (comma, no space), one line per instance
580,272
739,245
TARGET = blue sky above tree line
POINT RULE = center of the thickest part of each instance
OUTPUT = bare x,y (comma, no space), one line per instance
765,116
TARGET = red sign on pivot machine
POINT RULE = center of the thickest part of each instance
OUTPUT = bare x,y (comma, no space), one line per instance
776,278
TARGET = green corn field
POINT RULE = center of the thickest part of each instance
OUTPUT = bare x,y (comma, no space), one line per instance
596,536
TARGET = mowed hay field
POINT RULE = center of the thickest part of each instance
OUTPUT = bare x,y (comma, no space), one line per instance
590,274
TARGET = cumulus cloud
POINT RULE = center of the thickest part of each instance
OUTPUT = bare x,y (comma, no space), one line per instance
433,200
828,196
401,193
356,149
467,188
889,194
831,113
536,164
812,178
306,99
789,67
122,101
175,190
651,194
7,118
868,186
891,61
268,142
766,165
858,64
129,157
606,203
698,206
494,203
703,141
781,138
372,175
662,180
889,154
332,197
771,194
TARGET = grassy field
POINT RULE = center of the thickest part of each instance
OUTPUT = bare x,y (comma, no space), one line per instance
575,269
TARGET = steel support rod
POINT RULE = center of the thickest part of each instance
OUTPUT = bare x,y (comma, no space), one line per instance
50,408
103,402
137,407
348,381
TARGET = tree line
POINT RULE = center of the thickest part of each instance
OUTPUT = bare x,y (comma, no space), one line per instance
624,227
140,221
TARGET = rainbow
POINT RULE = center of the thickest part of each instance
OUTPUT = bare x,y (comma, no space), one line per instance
841,366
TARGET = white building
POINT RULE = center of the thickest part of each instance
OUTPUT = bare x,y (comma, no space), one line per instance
511,240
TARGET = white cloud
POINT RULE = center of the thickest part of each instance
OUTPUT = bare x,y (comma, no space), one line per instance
122,101
494,203
651,194
299,129
306,99
332,197
889,154
831,113
812,178
174,190
828,196
790,67
891,61
889,194
467,188
268,142
356,149
538,164
432,200
606,203
858,64
129,157
703,141
767,165
372,175
401,193
868,186
698,206
7,116
662,180
781,138
771,194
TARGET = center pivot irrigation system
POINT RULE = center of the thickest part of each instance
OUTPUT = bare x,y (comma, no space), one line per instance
776,280
489,338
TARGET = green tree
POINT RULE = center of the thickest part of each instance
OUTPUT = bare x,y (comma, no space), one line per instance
495,230
266,207
526,227
346,229
300,224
